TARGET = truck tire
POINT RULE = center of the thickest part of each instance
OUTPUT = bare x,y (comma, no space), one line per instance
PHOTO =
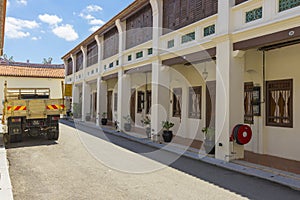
56,133
50,135
12,139
19,137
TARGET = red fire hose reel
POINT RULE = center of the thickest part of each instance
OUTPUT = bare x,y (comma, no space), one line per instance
242,134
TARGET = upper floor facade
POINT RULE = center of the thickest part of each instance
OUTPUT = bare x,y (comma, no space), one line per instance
167,28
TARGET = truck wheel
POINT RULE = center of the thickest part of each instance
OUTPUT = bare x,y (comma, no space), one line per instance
56,133
50,135
13,138
19,138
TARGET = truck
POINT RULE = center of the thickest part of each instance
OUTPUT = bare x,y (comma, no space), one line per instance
31,112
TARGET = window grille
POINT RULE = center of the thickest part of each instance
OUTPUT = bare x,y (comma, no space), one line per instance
279,103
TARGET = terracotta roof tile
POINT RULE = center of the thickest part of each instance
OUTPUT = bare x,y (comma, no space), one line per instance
42,72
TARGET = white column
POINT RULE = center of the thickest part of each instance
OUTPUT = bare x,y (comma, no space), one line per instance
75,96
86,100
160,98
66,69
270,8
229,97
97,38
122,38
102,97
124,92
225,20
98,113
157,11
84,52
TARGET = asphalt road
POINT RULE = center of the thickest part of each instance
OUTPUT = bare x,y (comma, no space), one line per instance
90,164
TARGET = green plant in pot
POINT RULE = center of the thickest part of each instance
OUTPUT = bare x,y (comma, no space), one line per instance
77,110
167,133
147,122
209,140
104,118
127,124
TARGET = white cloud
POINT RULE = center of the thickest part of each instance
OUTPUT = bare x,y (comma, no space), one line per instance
94,28
16,28
36,38
50,19
23,2
86,14
93,8
7,4
65,32
96,22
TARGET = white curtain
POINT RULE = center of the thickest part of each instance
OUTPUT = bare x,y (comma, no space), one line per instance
286,95
249,103
275,96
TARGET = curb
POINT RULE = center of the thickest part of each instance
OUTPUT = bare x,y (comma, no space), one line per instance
5,183
273,176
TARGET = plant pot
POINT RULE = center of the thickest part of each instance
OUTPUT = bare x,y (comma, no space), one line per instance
127,126
209,146
148,132
167,136
103,121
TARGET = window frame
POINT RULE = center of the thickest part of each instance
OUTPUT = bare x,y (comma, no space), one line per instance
288,83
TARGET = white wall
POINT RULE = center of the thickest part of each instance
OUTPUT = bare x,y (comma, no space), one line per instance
283,63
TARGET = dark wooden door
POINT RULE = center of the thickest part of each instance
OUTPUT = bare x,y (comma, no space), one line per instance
109,105
210,104
132,104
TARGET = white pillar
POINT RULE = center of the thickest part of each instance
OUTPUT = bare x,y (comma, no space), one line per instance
86,100
102,97
75,96
160,98
122,38
73,57
157,12
84,62
229,97
124,93
224,21
98,112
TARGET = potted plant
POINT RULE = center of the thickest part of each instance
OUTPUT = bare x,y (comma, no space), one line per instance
167,133
127,124
104,119
209,140
146,122
77,110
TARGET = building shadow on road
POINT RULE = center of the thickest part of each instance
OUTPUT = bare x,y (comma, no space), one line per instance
244,185
31,141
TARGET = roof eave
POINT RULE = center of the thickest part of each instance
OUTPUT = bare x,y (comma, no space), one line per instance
3,15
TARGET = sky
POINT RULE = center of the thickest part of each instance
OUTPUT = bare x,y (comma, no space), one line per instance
38,29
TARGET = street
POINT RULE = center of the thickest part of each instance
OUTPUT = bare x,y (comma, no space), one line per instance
93,165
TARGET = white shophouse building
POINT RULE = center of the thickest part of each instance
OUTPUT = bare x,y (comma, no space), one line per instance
209,63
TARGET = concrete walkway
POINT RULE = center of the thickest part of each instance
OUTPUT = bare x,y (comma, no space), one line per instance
5,184
271,174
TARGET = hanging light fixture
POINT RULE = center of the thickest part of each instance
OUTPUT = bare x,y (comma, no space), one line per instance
204,73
